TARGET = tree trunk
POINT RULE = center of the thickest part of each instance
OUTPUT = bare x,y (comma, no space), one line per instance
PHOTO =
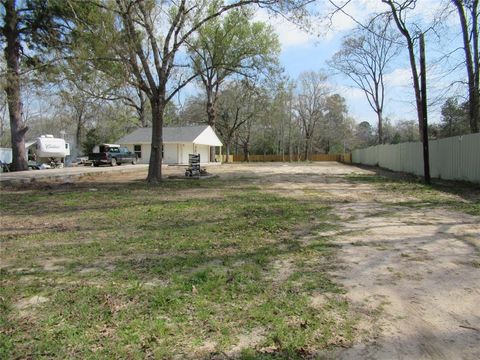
423,67
155,164
307,148
12,88
416,87
413,65
227,151
476,69
380,126
290,146
78,133
471,62
290,150
246,152
141,109
211,115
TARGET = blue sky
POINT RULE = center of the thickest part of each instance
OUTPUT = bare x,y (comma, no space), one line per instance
302,51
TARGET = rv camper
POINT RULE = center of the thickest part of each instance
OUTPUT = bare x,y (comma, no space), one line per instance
47,151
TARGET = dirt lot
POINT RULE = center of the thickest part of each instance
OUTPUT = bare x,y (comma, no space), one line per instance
422,266
409,256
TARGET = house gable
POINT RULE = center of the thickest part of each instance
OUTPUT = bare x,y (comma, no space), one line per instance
208,137
201,135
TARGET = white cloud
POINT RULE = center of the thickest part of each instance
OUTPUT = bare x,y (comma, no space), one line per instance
350,92
290,35
399,77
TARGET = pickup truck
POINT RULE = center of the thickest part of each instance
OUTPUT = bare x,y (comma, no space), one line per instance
112,155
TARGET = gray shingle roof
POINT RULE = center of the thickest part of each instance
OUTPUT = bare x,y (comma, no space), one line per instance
183,134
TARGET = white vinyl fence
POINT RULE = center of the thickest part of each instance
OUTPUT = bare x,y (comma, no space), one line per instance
454,158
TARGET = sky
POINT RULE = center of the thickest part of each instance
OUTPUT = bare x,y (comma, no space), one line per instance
302,51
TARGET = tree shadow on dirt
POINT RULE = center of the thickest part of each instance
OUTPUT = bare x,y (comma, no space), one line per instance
466,190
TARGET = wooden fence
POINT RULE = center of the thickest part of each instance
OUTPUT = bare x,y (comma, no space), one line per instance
285,158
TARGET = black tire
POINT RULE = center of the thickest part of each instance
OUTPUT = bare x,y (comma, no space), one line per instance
95,164
113,162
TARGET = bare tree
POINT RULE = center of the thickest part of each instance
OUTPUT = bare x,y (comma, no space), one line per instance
81,107
236,108
468,16
399,11
364,57
256,106
310,105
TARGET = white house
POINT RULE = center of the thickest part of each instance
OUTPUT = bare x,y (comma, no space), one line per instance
178,142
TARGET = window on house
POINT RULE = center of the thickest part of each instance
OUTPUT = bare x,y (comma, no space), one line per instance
137,149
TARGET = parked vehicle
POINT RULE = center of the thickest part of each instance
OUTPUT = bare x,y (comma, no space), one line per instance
111,154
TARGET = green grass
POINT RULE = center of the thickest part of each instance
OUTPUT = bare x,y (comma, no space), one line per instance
134,271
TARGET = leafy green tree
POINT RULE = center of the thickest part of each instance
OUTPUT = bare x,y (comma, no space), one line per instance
231,45
364,135
405,131
335,126
455,118
92,138
97,63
